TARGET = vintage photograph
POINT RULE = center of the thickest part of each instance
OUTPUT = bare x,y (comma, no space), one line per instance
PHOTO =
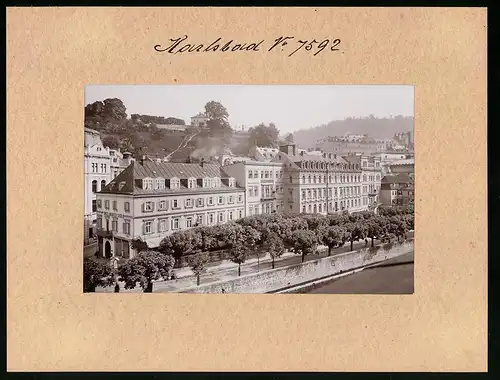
249,189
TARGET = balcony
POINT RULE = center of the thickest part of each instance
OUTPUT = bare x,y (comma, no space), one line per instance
267,180
104,233
268,197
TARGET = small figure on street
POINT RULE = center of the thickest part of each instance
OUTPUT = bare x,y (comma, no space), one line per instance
366,241
117,288
223,290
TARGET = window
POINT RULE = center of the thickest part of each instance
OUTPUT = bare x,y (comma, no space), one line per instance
103,184
126,227
240,198
115,206
250,210
250,174
99,203
175,183
106,205
94,205
126,206
94,186
262,174
189,222
211,218
191,183
147,184
175,203
231,182
221,217
256,174
159,184
291,180
230,199
114,225
188,203
210,201
148,227
162,205
175,223
230,215
220,200
250,191
94,169
148,206
199,202
240,214
99,223
303,194
199,220
206,182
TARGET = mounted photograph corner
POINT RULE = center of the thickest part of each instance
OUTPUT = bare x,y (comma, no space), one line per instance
249,189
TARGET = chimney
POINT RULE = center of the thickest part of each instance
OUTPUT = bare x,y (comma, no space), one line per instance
143,158
302,153
202,162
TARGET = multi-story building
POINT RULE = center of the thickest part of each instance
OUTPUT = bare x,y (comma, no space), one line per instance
263,182
101,165
397,190
372,175
150,200
319,184
371,172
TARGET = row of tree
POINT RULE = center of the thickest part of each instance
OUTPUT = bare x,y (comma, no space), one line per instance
257,235
149,119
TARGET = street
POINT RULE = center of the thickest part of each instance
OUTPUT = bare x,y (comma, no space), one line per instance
391,279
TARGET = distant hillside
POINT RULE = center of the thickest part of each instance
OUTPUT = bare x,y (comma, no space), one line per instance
379,128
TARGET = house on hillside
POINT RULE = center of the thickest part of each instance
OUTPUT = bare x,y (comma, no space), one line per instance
200,120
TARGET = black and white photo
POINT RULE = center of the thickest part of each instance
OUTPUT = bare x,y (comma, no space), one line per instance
249,189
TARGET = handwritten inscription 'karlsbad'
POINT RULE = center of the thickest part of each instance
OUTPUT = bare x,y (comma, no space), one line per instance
287,44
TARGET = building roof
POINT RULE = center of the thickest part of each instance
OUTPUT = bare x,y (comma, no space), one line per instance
199,114
126,181
396,178
353,159
407,161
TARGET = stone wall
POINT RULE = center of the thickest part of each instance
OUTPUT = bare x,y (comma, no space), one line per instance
273,280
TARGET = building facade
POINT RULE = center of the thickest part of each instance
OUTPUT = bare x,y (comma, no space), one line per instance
101,165
319,184
264,185
372,175
397,190
150,200
199,120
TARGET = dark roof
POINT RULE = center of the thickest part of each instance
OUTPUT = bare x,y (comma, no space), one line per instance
396,178
137,171
353,159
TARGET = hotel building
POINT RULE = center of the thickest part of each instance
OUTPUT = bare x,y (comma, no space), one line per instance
150,200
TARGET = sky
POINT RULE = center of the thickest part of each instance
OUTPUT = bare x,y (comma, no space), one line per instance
289,107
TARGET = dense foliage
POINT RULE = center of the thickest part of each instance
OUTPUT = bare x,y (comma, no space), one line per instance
96,273
298,232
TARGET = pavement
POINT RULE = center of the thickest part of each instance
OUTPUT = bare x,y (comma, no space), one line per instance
394,276
226,270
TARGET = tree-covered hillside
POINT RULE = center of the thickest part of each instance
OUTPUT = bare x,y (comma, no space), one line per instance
379,128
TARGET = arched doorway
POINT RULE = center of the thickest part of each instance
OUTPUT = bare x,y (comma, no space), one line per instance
107,250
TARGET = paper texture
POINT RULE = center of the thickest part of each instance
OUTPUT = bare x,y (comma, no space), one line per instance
52,53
